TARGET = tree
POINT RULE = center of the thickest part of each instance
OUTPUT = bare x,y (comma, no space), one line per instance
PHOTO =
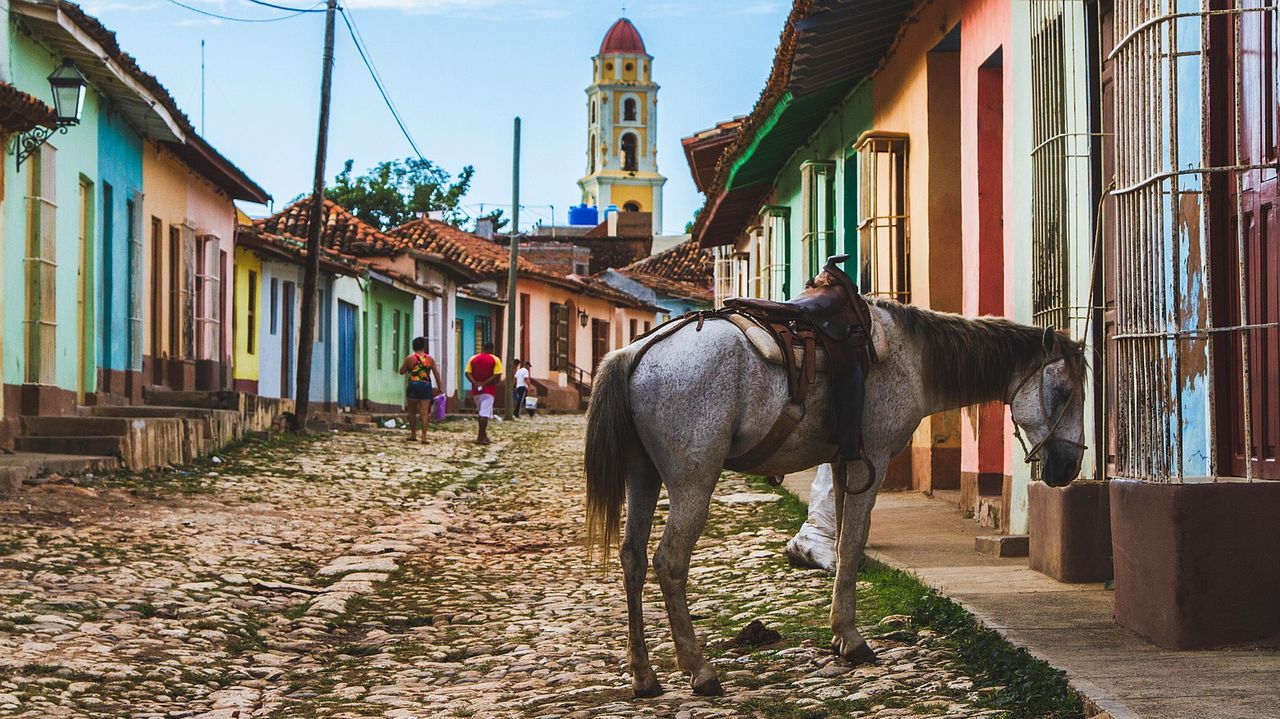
397,191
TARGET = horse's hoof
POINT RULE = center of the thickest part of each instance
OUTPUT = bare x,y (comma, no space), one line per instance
860,654
853,648
707,684
646,685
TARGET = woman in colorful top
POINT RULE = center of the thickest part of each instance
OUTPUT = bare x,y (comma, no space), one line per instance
421,369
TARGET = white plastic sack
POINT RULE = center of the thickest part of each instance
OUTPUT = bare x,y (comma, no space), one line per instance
815,544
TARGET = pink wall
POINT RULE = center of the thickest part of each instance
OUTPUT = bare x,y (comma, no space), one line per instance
985,167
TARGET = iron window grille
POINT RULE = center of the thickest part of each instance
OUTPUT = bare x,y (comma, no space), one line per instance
884,237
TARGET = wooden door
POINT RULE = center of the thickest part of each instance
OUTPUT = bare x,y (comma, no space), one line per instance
1249,203
286,340
346,354
599,343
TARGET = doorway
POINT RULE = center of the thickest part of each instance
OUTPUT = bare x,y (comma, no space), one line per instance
599,343
84,290
286,340
346,354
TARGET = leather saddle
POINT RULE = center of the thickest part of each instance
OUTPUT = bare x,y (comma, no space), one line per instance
832,315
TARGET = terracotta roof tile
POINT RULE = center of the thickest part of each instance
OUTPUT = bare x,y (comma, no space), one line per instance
686,262
341,231
491,260
672,288
20,112
481,256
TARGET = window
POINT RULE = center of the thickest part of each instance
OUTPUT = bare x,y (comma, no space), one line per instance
632,327
770,250
629,110
647,325
484,332
174,289
208,307
377,333
581,268
591,154
322,317
884,253
559,360
275,304
251,343
395,334
41,267
818,191
592,111
134,234
631,206
730,273
629,152
157,286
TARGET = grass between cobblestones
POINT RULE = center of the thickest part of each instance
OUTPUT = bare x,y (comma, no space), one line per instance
1019,683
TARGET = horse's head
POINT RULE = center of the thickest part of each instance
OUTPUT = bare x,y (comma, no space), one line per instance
1047,405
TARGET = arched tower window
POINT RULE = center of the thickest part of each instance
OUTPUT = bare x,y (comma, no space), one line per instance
632,206
593,112
591,154
629,152
629,109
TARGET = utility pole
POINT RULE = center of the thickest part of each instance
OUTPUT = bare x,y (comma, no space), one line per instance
512,296
307,332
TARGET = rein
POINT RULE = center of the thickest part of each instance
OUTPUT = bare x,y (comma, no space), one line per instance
1033,454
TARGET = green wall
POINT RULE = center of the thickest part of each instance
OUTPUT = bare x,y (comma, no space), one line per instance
383,384
832,142
77,157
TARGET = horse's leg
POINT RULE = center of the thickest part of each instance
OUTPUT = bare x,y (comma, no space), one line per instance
850,541
643,487
690,500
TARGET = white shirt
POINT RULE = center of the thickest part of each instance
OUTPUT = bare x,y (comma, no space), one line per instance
522,377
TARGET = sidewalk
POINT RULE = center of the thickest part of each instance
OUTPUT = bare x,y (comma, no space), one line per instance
1067,625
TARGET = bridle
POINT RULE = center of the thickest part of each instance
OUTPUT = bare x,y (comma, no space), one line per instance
1032,454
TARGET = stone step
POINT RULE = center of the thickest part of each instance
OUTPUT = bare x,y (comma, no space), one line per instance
17,468
222,399
99,445
76,426
145,411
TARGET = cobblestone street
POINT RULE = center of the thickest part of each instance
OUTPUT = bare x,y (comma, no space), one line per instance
357,575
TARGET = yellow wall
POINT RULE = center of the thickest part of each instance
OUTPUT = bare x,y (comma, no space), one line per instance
246,365
620,194
901,92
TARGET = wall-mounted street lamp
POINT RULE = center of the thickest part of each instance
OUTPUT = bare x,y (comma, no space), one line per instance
582,318
69,86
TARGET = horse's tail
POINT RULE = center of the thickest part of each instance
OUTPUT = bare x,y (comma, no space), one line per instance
611,438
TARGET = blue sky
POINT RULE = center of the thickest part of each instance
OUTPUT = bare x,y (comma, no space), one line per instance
459,71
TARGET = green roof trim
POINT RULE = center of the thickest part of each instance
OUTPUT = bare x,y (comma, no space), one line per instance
765,129
789,126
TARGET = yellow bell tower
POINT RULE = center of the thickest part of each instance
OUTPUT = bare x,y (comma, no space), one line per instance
622,123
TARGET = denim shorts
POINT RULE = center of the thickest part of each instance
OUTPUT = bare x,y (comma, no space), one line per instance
420,390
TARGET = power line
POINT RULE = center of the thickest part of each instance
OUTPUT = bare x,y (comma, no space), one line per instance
293,12
313,8
377,80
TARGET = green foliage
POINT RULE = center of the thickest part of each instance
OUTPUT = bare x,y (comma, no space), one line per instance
499,221
396,191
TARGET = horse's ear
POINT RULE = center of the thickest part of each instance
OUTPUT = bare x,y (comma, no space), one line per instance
1048,339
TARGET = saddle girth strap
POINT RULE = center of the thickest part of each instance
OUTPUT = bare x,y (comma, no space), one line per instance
790,416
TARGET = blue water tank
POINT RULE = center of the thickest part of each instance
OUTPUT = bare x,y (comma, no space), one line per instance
584,215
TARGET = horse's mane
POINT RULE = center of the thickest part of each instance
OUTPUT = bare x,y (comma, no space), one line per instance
971,360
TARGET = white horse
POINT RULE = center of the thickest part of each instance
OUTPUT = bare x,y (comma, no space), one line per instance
704,394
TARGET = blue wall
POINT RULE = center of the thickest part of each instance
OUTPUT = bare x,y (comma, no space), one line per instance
467,311
323,364
120,167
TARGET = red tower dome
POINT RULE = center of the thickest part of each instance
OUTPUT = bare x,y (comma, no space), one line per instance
622,38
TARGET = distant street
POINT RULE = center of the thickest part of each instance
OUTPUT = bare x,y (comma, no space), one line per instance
359,575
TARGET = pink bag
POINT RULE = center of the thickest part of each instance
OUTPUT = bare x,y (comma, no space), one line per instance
437,408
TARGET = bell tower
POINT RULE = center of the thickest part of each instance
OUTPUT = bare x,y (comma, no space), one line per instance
622,123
